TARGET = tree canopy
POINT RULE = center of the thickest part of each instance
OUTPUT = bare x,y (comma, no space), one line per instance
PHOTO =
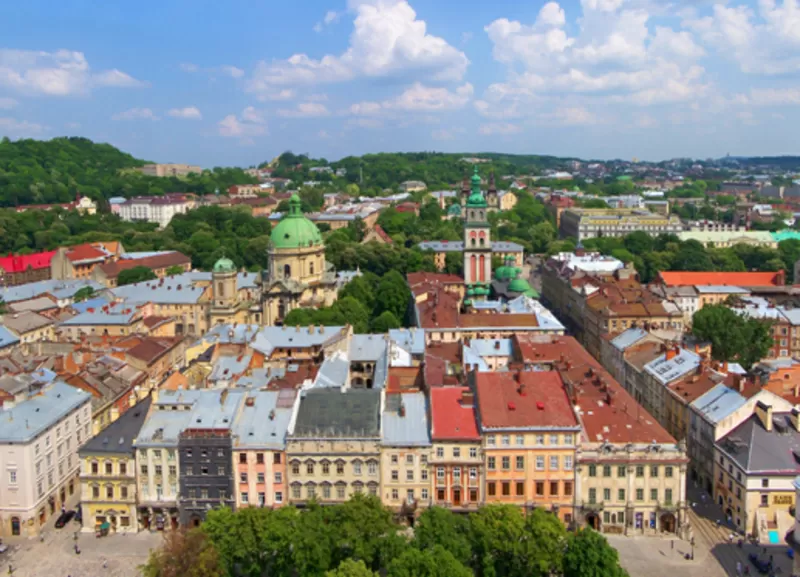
134,275
360,538
733,336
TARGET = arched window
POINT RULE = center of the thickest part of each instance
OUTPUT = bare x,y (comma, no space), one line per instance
221,289
473,266
311,267
287,271
483,269
481,243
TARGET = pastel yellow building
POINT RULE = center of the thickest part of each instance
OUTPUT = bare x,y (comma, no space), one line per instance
108,475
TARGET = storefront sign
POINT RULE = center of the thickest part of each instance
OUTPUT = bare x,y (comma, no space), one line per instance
783,500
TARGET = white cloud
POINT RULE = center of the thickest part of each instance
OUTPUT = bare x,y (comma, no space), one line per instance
14,127
417,98
60,73
253,115
188,113
615,55
135,114
773,97
232,127
766,41
387,40
7,103
232,71
502,128
189,67
304,110
571,116
331,17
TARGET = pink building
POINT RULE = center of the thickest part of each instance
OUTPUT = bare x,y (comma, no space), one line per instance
259,448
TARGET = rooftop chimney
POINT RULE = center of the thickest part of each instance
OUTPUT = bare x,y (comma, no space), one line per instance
402,410
795,418
250,401
467,398
764,414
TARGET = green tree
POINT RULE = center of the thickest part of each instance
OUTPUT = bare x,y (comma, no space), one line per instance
360,525
542,547
174,269
733,337
134,275
392,295
351,568
435,562
183,554
495,532
383,322
354,313
83,294
588,554
362,289
442,527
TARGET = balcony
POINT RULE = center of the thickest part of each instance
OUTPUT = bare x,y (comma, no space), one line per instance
670,506
595,506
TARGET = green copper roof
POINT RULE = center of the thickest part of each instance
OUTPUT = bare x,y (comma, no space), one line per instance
505,272
295,230
454,210
224,265
476,199
519,285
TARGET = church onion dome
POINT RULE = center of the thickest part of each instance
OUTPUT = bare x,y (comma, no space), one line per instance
224,265
454,210
519,285
476,199
504,272
295,230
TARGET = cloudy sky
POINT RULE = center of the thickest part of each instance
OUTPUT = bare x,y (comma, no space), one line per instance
239,81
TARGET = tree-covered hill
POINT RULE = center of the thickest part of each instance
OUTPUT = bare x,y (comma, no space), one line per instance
52,171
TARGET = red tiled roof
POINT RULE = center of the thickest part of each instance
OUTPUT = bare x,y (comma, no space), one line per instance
522,399
383,234
21,262
452,419
85,252
608,411
743,279
422,282
112,269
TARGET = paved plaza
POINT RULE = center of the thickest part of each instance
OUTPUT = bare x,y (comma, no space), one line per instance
56,557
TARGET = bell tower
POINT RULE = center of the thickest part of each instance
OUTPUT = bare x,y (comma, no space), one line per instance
492,198
477,239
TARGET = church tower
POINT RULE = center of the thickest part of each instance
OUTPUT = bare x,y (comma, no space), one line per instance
477,240
464,192
225,297
492,198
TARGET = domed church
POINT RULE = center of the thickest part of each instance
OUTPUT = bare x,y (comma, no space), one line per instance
297,274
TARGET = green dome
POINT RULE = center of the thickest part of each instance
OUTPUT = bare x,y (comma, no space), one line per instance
224,265
476,199
295,230
519,285
504,272
467,303
454,210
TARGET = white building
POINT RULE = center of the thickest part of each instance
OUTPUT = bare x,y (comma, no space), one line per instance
158,209
39,441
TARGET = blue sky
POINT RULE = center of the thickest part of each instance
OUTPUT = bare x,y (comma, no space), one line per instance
238,82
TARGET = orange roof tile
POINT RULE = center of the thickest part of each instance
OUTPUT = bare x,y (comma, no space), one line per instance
744,279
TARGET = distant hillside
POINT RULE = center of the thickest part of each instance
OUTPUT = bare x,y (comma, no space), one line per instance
39,172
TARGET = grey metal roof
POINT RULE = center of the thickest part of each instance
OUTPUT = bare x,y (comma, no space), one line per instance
718,403
411,340
177,289
492,347
471,359
757,450
334,371
229,366
410,430
628,337
26,382
31,417
665,371
264,423
118,437
36,304
721,289
61,289
7,338
367,348
330,413
116,317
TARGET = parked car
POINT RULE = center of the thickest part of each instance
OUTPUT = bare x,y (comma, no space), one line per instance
64,518
764,566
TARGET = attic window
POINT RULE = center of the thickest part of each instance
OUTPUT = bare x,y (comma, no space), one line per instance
286,235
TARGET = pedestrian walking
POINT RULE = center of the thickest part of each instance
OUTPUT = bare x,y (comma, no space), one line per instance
739,568
672,543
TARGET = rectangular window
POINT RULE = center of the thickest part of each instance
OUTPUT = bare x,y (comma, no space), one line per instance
554,439
491,440
505,440
540,462
490,488
457,475
326,491
520,463
506,487
456,452
260,458
310,468
473,473
340,468
123,492
622,471
409,475
621,495
490,463
568,439
668,472
276,458
668,495
654,494
639,470
606,494
567,462
520,486
765,483
424,494
357,468
326,468
409,459
554,462
540,439
424,474
654,471
568,488
640,494
439,454
606,470
395,494
593,470
278,477
243,477
554,488
506,463
520,440
592,495
242,458
372,468
340,492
